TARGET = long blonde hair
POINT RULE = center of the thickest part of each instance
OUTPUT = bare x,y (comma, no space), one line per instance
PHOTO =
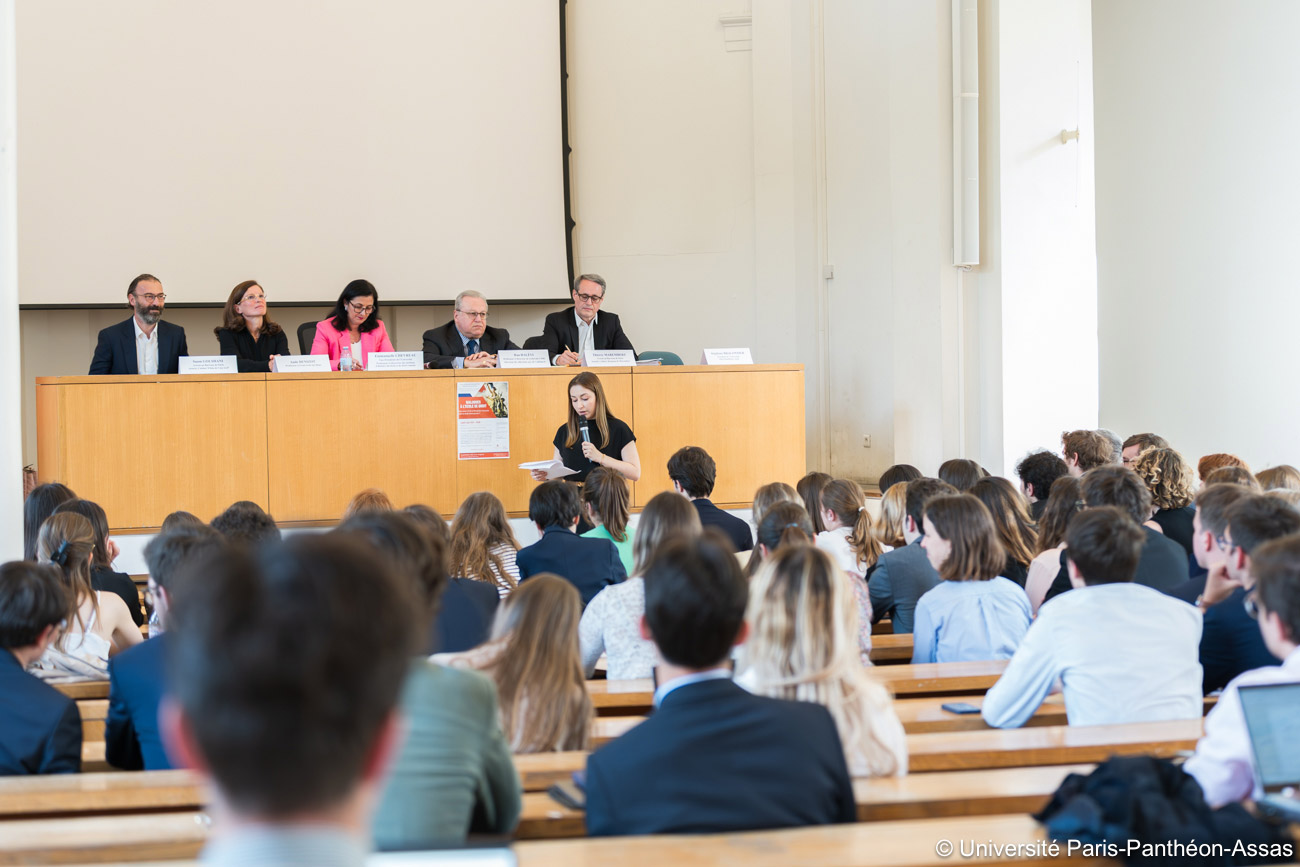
538,671
769,495
1011,519
67,540
803,646
479,526
668,514
893,516
591,382
844,497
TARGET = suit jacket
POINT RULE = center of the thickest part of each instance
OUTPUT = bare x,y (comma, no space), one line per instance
561,330
40,727
464,618
115,351
136,683
900,578
443,344
714,758
1231,643
591,565
735,529
1162,566
454,773
330,341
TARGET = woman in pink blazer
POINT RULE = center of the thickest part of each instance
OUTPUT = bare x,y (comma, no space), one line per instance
353,327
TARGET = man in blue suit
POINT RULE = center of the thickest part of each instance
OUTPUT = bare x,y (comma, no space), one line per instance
591,565
903,575
143,343
136,676
713,757
40,727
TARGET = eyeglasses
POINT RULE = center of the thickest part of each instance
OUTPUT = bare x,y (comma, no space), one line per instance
1251,605
357,308
590,299
473,315
151,298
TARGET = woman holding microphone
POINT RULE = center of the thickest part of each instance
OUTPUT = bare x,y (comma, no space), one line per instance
592,436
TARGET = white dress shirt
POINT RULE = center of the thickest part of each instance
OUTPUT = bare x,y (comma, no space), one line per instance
1124,653
586,332
146,349
1223,762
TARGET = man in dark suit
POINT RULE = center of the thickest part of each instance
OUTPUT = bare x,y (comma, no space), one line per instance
576,329
467,340
136,676
144,343
713,757
693,474
591,565
40,727
902,576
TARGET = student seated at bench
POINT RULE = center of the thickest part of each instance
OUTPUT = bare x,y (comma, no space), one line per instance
40,727
713,757
1123,652
903,575
589,564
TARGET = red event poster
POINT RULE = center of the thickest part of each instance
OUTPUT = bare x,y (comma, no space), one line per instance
482,420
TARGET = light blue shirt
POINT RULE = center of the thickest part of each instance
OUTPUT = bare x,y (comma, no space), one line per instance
687,680
286,846
459,361
968,621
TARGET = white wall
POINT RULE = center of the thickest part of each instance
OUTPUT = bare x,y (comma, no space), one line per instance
1197,185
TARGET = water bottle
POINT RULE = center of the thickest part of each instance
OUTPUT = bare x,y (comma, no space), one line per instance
345,360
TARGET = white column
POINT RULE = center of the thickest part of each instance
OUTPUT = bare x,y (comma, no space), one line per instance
11,441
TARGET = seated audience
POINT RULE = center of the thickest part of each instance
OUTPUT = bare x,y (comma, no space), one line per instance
1063,503
973,613
893,515
143,344
40,727
1223,764
810,489
98,624
248,333
1210,463
784,524
801,648
606,504
532,657
38,506
180,518
466,607
245,523
960,473
1037,472
1170,481
851,541
611,624
483,547
1137,444
1011,519
903,575
1163,564
1122,652
353,329
467,341
292,736
896,474
1116,445
1232,476
102,576
136,676
369,500
1286,495
454,773
590,565
712,757
1084,450
1282,477
693,473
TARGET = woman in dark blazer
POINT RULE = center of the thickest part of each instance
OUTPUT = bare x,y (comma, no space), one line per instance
248,333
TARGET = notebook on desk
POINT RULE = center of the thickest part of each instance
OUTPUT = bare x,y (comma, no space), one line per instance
1274,728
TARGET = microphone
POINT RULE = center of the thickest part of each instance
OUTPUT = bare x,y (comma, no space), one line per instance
586,435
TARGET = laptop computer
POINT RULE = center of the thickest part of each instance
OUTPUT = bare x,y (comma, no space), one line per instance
1272,713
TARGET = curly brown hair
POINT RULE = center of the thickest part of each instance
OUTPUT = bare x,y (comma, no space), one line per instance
1167,476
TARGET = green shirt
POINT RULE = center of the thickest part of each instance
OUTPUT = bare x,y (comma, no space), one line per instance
624,547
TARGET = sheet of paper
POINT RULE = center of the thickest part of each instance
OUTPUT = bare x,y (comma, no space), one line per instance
482,420
523,358
553,469
209,364
302,364
609,358
395,361
738,355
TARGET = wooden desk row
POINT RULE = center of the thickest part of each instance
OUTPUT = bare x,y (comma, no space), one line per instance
300,445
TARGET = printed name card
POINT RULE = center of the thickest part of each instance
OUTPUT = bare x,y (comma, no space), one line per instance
209,364
740,355
395,361
301,364
523,358
609,358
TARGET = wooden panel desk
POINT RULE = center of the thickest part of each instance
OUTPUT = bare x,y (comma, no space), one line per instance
301,445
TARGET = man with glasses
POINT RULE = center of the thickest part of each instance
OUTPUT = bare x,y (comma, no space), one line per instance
142,344
467,340
583,326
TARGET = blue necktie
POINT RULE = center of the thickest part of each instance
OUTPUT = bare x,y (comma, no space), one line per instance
471,347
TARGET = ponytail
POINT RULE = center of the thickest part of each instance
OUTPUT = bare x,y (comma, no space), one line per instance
844,497
606,493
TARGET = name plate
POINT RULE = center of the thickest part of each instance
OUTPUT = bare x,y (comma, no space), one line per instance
395,361
209,364
740,355
609,358
301,364
523,358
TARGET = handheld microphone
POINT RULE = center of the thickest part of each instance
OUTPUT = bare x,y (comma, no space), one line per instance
586,435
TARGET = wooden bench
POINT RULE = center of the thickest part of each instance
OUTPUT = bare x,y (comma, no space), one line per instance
891,649
79,689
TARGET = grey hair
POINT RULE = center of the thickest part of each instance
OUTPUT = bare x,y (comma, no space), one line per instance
593,278
469,293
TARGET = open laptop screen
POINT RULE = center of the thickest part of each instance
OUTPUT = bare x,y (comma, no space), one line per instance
1272,713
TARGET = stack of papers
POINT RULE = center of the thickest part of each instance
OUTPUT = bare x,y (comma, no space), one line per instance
553,469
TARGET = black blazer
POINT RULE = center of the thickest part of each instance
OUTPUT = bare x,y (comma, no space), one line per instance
136,683
464,619
1162,566
40,727
736,529
443,344
561,330
253,356
591,565
115,351
714,758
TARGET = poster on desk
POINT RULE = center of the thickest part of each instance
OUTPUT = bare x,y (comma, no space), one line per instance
482,420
